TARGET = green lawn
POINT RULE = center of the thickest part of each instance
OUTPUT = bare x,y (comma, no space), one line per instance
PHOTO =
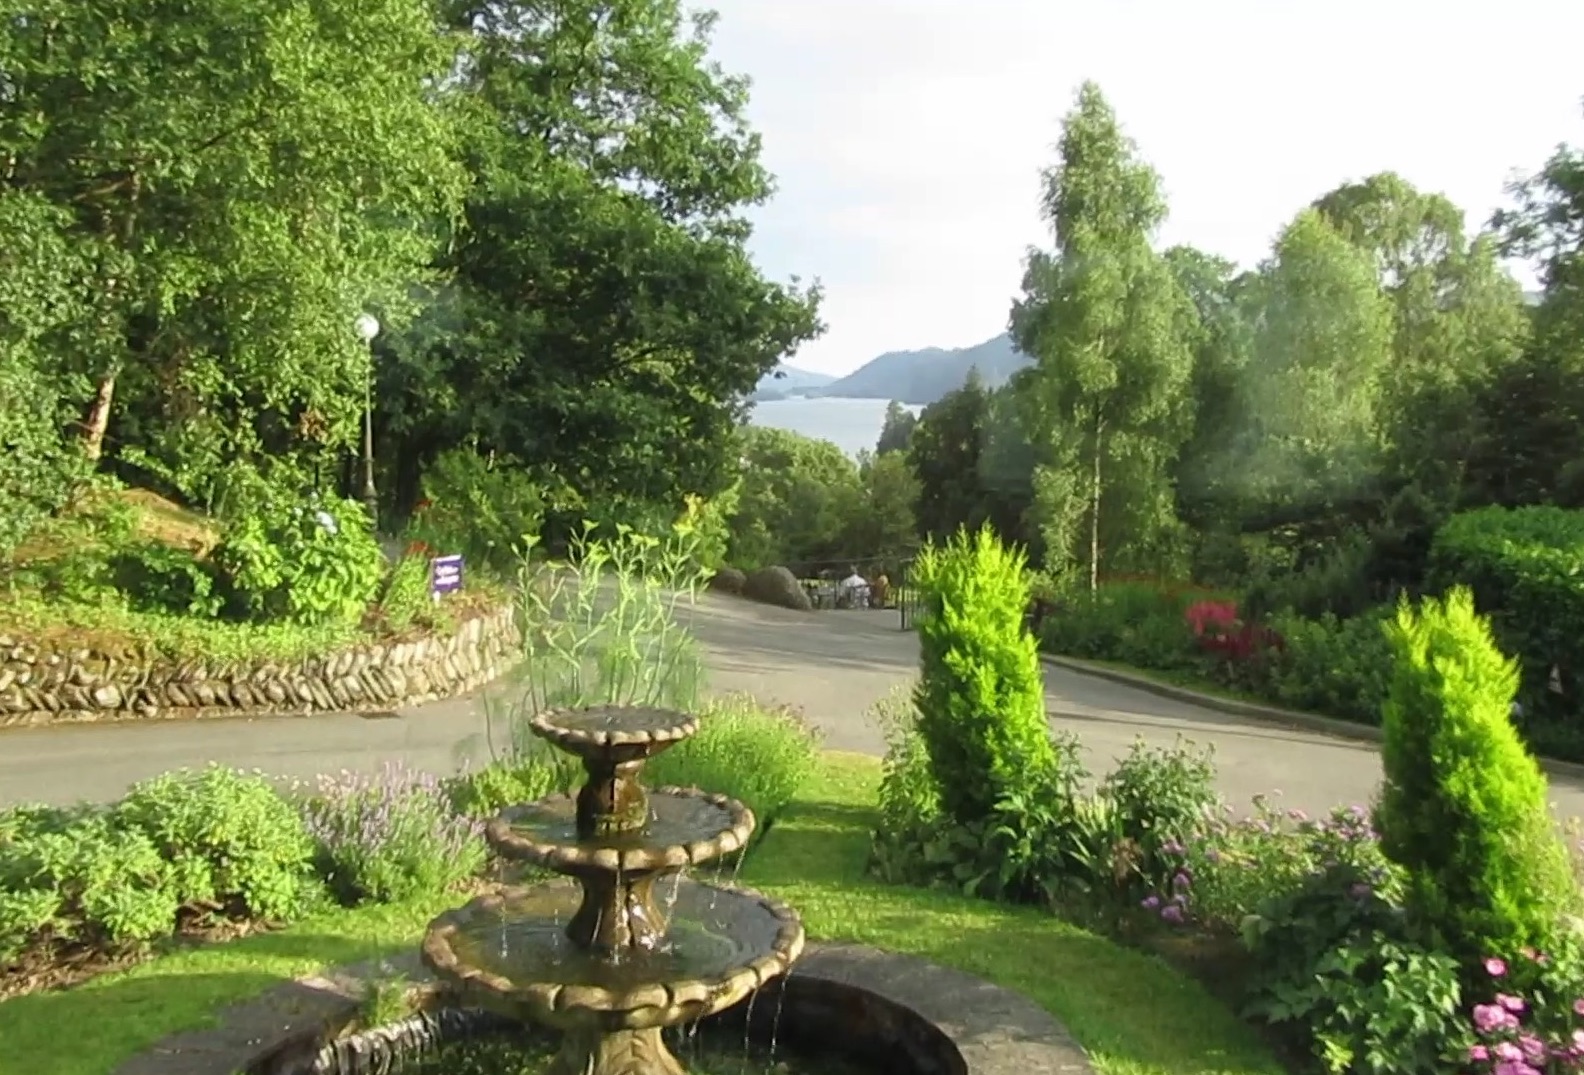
1134,1013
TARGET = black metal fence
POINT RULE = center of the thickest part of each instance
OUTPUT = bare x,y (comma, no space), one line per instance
908,601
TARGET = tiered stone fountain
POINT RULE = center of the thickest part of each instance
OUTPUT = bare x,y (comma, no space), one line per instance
633,947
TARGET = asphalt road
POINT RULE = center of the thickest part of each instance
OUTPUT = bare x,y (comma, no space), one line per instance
834,666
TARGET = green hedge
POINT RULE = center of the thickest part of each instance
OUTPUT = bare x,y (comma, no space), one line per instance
1526,569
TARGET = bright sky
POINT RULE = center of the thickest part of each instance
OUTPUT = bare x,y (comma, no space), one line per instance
907,135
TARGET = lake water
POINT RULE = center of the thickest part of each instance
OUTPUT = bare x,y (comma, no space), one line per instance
851,424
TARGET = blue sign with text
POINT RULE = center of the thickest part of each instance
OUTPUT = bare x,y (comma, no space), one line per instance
445,575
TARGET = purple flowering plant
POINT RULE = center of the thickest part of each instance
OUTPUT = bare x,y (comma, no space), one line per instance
1232,866
391,835
1532,1020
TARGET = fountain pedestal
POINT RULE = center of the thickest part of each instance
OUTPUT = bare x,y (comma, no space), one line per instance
622,1052
633,949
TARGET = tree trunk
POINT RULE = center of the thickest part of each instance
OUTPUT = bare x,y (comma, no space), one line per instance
1094,510
98,418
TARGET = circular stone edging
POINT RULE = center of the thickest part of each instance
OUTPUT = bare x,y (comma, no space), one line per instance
996,1031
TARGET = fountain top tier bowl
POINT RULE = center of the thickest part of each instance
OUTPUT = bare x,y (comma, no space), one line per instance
613,733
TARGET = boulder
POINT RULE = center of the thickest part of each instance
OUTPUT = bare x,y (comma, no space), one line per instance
728,580
777,586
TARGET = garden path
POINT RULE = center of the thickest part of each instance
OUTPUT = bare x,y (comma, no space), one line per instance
834,666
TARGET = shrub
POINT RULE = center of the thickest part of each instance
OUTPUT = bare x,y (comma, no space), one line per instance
532,770
483,508
390,836
1161,798
308,564
908,803
81,879
1137,623
761,757
230,837
406,595
981,695
1338,667
1336,584
1336,965
1229,868
1463,806
1524,566
158,578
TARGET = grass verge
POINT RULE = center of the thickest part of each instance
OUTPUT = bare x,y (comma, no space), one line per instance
1134,1013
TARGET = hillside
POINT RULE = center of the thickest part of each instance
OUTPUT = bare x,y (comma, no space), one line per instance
786,381
925,376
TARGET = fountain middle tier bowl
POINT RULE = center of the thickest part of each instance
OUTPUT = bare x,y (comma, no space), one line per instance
509,951
686,827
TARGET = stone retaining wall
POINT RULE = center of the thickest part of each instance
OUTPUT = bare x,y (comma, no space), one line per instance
39,686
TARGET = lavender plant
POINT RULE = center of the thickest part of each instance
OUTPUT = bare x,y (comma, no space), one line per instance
389,836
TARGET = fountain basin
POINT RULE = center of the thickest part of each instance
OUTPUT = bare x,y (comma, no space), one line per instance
509,952
902,1015
686,827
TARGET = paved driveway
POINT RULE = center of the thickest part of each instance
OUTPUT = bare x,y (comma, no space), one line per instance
834,666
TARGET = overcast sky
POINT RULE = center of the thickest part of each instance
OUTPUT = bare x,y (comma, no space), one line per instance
907,135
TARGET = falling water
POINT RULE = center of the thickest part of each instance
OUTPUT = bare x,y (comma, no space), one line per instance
676,886
624,915
753,998
775,1022
737,866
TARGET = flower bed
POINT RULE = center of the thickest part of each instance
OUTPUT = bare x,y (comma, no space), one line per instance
219,853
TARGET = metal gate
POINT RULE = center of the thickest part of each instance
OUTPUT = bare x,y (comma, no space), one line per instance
908,602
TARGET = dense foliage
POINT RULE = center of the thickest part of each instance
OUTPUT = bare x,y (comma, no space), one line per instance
548,218
981,694
1524,566
1463,807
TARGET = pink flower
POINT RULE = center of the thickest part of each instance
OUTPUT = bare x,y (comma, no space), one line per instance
1489,1017
1578,1006
1510,1002
1534,1049
1495,968
1506,1050
1478,1052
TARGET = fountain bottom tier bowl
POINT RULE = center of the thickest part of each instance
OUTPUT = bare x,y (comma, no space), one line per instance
509,951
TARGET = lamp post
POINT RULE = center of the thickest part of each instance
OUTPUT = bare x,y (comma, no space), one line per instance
367,328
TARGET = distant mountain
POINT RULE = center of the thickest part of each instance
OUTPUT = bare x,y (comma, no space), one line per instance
786,381
925,376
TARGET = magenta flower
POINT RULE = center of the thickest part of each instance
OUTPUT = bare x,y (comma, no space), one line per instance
1172,913
1489,1017
1495,967
1149,903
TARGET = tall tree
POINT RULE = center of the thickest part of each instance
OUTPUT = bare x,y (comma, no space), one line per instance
606,320
1531,447
243,176
1319,355
945,455
1220,336
897,430
1103,318
1457,319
